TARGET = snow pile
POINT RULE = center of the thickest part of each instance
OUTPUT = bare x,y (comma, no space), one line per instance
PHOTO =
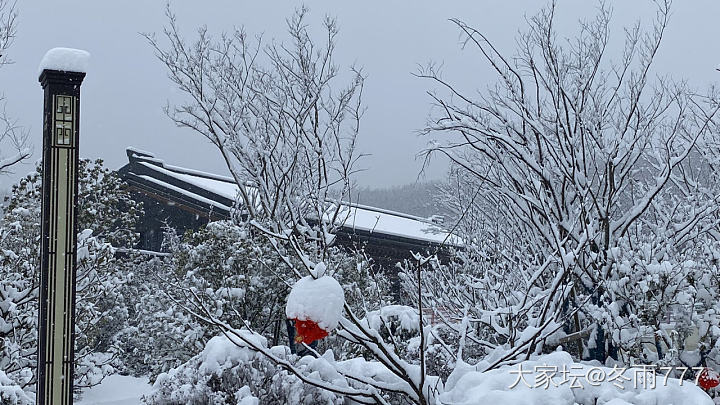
555,379
66,60
220,350
228,372
245,397
319,300
12,394
116,390
407,317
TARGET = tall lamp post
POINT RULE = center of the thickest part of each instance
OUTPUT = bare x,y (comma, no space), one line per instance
62,71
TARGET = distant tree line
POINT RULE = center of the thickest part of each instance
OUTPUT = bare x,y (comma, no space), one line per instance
415,198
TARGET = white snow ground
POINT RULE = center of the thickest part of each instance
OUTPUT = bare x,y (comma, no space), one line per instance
116,390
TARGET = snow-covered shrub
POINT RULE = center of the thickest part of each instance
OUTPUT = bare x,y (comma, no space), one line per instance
229,273
228,373
663,306
106,213
19,262
235,275
449,334
159,335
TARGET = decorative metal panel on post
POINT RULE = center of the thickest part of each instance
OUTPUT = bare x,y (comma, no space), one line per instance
58,265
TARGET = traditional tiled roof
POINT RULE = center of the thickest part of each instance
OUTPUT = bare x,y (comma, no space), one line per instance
210,192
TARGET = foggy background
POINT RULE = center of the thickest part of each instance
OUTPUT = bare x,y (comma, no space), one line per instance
126,87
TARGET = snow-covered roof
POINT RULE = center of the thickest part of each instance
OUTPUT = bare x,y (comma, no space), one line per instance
376,220
225,188
65,59
355,217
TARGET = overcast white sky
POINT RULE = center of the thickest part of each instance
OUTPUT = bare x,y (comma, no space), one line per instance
126,86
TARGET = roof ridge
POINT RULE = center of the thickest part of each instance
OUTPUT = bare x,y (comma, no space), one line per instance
199,173
387,211
139,155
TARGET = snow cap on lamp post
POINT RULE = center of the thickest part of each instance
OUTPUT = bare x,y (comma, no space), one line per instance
65,60
315,304
62,71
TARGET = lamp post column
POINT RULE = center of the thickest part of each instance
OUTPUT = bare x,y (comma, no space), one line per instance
58,262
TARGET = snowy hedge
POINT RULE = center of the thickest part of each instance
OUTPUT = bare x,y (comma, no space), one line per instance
225,373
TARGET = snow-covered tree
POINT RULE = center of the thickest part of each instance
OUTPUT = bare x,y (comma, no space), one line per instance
13,149
286,125
281,118
14,146
589,195
106,214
